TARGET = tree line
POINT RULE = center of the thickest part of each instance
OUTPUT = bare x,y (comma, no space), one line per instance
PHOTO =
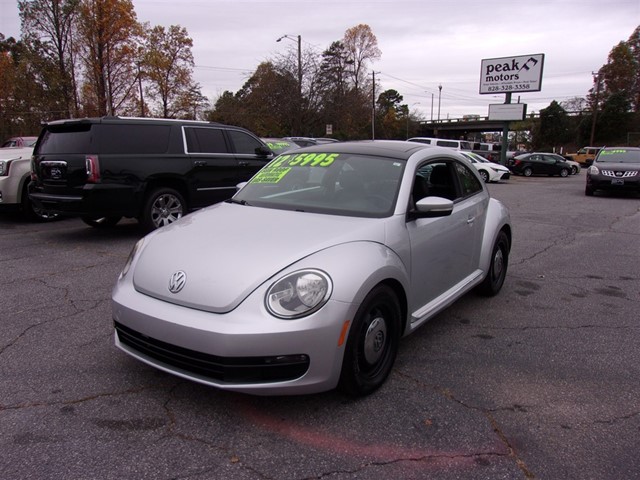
83,58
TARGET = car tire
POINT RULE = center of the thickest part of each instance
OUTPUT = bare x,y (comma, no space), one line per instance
589,191
162,207
574,170
484,175
372,344
564,172
34,213
100,222
527,172
494,280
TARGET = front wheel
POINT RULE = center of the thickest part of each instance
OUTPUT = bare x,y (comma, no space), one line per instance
574,170
494,280
484,175
373,342
163,206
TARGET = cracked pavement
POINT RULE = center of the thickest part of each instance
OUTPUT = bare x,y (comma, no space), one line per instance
540,382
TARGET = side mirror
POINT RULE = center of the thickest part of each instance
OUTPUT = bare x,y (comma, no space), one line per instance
264,151
429,207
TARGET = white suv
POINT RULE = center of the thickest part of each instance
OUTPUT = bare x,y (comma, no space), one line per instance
15,175
444,142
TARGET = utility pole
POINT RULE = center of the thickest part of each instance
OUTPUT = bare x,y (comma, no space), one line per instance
597,78
299,112
373,108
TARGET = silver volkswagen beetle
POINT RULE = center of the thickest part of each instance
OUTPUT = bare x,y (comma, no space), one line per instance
308,277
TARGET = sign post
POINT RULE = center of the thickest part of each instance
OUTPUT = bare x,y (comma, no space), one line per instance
508,75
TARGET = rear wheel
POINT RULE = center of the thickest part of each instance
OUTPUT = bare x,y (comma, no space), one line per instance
373,342
494,280
527,172
163,206
32,212
564,172
100,222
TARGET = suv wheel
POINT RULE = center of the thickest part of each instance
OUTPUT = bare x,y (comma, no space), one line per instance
163,206
100,222
34,213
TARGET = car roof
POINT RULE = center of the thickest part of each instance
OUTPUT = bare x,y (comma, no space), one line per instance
397,149
118,119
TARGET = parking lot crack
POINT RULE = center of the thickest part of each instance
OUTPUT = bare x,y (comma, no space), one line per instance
448,394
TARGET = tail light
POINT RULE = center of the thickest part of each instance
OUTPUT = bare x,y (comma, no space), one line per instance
93,168
517,162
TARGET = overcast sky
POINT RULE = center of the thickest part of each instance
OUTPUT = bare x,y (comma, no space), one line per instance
424,43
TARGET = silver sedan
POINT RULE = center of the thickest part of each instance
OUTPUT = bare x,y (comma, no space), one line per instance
309,276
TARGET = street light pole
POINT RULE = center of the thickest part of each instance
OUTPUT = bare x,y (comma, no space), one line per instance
439,97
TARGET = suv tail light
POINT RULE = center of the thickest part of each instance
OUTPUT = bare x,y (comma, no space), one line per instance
93,168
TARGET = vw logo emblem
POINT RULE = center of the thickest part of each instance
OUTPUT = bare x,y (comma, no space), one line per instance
177,281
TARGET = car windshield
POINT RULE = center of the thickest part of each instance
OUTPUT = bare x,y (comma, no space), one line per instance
619,155
279,146
331,183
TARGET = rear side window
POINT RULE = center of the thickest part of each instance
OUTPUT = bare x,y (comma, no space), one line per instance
205,140
133,139
105,139
243,142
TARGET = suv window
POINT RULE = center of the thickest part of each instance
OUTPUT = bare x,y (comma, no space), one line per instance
67,139
205,140
243,143
134,139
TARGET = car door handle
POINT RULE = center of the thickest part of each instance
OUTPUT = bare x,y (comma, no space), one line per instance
200,163
470,220
243,164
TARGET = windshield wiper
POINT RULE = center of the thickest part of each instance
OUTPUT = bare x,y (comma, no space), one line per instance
238,202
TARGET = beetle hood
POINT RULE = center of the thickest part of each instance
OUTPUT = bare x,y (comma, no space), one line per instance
226,251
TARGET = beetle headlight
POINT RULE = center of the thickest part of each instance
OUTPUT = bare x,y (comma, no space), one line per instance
134,251
298,294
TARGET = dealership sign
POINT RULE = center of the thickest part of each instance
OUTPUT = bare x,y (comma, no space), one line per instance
512,74
507,111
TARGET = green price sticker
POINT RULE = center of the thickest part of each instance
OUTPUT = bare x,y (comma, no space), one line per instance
270,175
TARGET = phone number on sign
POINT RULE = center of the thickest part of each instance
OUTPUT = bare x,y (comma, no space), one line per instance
509,88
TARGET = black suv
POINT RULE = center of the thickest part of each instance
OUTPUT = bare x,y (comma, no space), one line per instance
155,170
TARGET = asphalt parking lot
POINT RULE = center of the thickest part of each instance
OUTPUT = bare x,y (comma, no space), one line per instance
538,382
